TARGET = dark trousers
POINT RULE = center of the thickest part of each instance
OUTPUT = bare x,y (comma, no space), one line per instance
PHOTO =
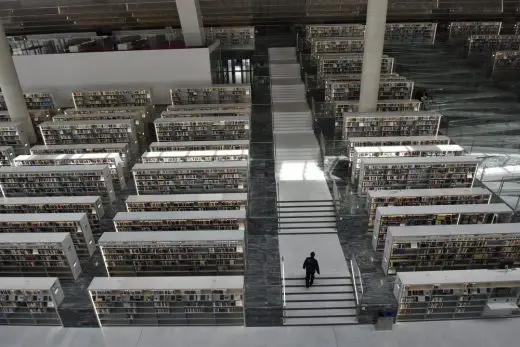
309,278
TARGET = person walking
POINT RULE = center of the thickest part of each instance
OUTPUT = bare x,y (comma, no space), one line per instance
311,266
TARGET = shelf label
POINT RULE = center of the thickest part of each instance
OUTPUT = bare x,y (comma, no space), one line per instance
239,303
240,249
241,226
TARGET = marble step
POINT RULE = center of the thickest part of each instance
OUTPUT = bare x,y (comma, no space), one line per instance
292,209
321,321
296,231
310,305
306,203
322,282
313,297
304,313
318,289
305,214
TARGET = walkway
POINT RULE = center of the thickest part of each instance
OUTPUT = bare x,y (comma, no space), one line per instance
306,215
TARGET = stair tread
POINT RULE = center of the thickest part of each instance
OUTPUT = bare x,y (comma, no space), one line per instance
306,203
320,297
318,289
319,282
310,219
304,313
306,214
320,225
306,305
307,231
321,321
305,209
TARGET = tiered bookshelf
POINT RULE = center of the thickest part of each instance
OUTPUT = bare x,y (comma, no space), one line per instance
321,81
436,215
91,131
119,148
334,30
463,30
91,205
351,90
202,129
417,173
112,98
424,197
12,134
410,33
348,63
506,64
488,44
30,301
174,253
158,301
76,224
145,111
327,45
21,181
113,160
339,108
38,254
196,109
231,37
244,111
390,124
195,156
451,247
180,220
186,202
457,294
199,146
173,178
214,94
6,155
34,101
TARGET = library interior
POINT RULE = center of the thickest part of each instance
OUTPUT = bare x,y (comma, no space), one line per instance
167,166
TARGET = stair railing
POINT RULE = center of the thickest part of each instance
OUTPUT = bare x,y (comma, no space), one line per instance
284,301
354,282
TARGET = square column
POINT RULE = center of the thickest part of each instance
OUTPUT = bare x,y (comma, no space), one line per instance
373,54
191,22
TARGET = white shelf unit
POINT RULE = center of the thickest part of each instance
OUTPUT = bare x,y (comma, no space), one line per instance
180,220
423,197
457,294
164,301
202,129
199,146
506,64
323,80
421,32
390,124
334,30
119,148
195,156
417,173
348,63
339,108
232,37
38,254
243,111
174,253
113,160
360,153
6,155
436,215
351,90
489,44
144,110
186,202
22,181
463,30
328,45
372,141
208,108
30,301
12,134
213,94
76,224
91,131
174,178
91,205
34,101
112,98
451,247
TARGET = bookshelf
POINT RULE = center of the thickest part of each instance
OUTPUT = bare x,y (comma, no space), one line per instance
12,134
339,108
113,160
174,253
424,197
334,30
34,101
373,141
231,37
112,98
210,108
451,247
348,63
214,94
186,202
351,90
199,146
436,215
38,254
463,30
202,129
180,220
63,180
76,224
30,301
243,111
160,301
91,205
193,177
195,156
417,173
321,81
91,131
410,32
6,155
145,111
506,64
360,153
327,45
457,294
119,148
390,124
488,44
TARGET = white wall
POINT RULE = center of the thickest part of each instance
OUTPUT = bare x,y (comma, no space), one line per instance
157,70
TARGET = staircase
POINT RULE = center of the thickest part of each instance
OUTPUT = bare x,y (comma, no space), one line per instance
302,217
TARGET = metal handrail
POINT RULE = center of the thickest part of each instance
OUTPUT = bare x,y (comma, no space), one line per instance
360,281
283,287
354,282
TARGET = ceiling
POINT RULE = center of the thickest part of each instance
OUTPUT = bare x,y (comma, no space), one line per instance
45,16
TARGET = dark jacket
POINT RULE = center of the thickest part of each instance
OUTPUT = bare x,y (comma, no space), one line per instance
311,265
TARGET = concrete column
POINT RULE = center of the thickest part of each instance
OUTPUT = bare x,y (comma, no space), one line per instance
191,22
373,54
11,89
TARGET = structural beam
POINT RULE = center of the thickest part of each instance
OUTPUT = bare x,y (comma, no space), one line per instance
11,89
373,54
191,22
